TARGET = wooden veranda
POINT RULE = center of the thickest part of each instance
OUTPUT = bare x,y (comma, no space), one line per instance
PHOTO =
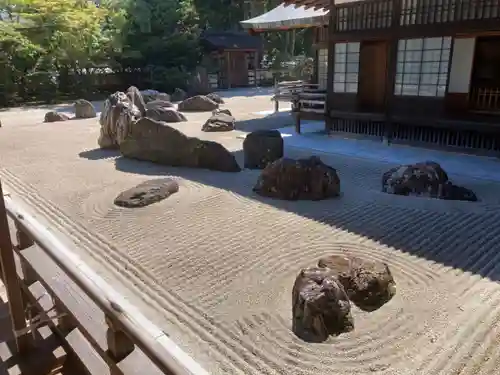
60,317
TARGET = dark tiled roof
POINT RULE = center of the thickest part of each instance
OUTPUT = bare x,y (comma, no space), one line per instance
231,40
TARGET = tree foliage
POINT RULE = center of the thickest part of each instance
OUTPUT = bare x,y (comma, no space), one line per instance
54,45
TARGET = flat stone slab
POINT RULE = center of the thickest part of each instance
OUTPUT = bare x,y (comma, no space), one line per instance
147,193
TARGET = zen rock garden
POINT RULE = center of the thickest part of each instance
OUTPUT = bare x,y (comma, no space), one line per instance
322,295
136,124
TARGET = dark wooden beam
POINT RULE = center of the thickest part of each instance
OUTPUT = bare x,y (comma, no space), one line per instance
424,31
332,25
390,78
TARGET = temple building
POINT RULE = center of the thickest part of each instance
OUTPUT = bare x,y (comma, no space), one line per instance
409,71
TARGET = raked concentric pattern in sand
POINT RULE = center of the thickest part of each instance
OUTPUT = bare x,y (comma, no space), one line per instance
217,263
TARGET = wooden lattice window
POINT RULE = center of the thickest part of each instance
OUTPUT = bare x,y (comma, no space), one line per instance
322,67
346,70
422,68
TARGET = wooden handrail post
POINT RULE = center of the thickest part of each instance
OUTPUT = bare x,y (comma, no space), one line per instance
12,283
119,344
23,242
276,95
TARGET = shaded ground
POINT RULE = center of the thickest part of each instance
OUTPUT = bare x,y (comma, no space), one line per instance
214,264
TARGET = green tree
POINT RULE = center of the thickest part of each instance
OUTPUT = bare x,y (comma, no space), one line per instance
161,37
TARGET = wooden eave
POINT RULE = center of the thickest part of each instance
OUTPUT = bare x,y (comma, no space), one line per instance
307,4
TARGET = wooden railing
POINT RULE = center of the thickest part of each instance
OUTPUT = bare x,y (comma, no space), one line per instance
287,91
485,99
426,12
377,14
48,285
312,100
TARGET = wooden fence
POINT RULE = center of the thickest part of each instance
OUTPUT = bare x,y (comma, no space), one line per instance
49,286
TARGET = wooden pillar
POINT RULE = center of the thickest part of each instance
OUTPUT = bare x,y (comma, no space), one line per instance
12,282
23,242
390,78
30,277
255,66
228,69
315,76
332,25
119,344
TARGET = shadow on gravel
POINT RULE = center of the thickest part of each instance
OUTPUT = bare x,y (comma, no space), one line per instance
98,153
245,92
431,234
280,120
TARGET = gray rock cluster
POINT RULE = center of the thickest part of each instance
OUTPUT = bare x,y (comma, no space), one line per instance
424,179
322,295
155,141
138,128
83,110
121,110
220,121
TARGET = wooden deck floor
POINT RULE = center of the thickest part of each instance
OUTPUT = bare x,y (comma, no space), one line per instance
47,358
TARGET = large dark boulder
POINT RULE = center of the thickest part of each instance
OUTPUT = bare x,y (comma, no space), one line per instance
178,95
261,148
116,118
136,98
215,97
150,95
198,103
159,104
425,179
54,116
302,179
368,284
320,306
147,193
157,142
165,115
219,122
84,109
458,193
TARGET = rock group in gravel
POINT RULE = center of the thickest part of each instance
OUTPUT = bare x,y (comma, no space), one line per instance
83,110
155,141
220,121
140,131
322,295
424,179
301,179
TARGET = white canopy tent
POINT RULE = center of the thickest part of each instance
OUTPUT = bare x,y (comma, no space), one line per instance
286,17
